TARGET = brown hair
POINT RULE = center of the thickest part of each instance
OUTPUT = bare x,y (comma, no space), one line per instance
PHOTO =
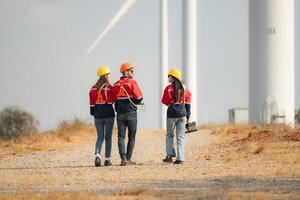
100,83
178,89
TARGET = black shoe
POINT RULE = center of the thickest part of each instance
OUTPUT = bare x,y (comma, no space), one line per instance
107,163
124,162
178,162
130,162
97,161
168,159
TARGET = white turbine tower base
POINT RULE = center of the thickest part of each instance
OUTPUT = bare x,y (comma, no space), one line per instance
272,61
190,51
164,56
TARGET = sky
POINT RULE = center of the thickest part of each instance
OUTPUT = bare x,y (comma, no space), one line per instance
45,70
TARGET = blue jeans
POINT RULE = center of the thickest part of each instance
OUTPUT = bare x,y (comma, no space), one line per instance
127,120
179,124
104,128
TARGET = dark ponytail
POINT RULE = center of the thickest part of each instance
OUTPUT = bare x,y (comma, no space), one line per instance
178,89
101,81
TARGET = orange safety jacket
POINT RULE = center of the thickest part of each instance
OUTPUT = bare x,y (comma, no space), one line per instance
101,101
182,107
128,95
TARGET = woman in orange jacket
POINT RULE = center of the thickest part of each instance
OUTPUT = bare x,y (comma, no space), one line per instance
102,98
178,99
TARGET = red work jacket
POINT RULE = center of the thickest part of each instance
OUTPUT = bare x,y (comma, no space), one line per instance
168,96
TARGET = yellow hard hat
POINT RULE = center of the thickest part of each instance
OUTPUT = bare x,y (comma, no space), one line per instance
176,73
102,71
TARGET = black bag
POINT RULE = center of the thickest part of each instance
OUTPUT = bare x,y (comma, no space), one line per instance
190,127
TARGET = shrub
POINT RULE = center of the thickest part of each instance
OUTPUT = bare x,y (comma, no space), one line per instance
66,125
15,122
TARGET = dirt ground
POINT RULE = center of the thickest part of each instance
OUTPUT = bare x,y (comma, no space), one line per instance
222,162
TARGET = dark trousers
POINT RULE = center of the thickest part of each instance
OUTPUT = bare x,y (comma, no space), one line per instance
127,120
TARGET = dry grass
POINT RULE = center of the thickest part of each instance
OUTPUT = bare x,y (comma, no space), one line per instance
66,135
268,143
253,133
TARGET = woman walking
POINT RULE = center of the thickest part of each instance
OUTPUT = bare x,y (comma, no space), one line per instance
178,99
101,101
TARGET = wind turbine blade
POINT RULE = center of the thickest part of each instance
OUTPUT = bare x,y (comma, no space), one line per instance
124,9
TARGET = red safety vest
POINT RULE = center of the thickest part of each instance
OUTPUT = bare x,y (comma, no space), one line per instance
104,96
127,88
168,96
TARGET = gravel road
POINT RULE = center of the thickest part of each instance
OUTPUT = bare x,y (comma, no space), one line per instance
73,170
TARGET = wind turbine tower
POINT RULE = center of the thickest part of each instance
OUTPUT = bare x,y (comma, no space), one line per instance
189,51
163,55
272,61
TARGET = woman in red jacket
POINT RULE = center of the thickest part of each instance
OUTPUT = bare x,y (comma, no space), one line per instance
102,98
178,99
